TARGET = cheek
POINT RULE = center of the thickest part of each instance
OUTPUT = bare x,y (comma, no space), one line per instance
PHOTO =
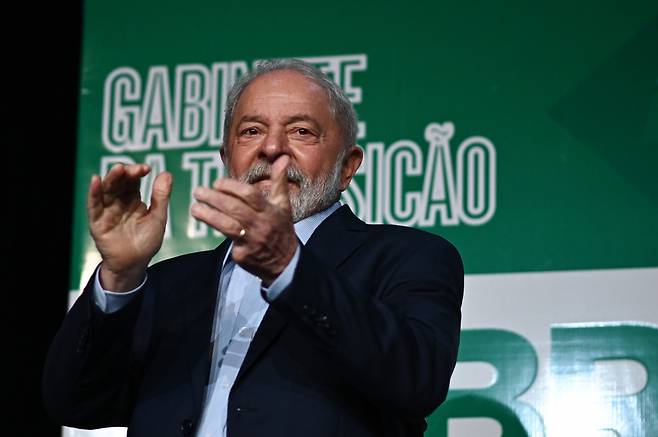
239,163
314,161
312,168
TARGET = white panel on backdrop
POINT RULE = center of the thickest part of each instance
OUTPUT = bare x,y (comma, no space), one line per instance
529,305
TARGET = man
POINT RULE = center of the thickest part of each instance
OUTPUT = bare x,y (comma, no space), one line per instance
304,322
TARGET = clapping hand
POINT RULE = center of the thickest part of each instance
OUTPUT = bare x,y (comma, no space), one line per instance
126,232
261,228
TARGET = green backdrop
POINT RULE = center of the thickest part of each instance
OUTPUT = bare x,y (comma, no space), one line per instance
524,132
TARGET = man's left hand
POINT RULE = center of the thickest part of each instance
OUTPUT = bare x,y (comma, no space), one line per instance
261,228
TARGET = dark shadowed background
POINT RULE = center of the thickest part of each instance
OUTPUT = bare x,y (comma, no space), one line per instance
40,64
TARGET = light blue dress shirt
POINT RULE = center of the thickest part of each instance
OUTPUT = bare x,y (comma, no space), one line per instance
240,309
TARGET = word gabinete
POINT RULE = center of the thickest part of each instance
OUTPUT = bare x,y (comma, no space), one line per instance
399,183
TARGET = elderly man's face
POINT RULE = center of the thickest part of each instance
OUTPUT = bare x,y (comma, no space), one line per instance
283,112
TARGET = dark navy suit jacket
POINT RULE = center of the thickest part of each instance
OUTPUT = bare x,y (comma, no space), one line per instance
362,343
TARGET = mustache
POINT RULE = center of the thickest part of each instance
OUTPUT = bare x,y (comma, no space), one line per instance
262,170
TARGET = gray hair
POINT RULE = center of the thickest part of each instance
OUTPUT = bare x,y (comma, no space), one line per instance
340,105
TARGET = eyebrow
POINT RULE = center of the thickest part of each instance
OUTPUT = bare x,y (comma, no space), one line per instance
258,118
302,117
249,118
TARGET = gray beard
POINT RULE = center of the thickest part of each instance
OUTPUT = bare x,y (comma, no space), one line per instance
312,197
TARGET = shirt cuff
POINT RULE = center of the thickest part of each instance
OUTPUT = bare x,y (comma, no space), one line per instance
109,301
283,280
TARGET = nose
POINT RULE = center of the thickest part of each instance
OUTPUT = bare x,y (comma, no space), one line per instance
274,145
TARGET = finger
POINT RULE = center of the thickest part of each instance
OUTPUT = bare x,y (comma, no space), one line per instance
160,195
137,170
247,193
114,184
225,224
279,178
112,178
228,204
94,199
122,179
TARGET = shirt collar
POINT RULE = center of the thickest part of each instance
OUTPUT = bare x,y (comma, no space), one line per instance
305,227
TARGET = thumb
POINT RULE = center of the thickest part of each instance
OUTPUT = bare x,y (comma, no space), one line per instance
279,178
160,195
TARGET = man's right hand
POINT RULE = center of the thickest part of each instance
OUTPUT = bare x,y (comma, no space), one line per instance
127,233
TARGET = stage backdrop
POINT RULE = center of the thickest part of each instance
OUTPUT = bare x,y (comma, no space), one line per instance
525,133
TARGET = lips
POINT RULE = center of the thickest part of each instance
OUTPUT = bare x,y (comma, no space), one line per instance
262,171
260,178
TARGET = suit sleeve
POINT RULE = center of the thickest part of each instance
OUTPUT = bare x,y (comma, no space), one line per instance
91,367
392,330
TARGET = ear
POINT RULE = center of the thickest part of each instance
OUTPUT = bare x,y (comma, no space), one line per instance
350,166
222,154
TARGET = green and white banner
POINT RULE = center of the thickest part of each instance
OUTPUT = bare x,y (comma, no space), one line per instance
524,133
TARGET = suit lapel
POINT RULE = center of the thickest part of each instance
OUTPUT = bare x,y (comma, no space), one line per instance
337,237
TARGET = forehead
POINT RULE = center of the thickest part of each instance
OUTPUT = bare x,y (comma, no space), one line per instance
283,89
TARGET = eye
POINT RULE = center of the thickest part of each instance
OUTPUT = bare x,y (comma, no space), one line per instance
250,131
303,132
